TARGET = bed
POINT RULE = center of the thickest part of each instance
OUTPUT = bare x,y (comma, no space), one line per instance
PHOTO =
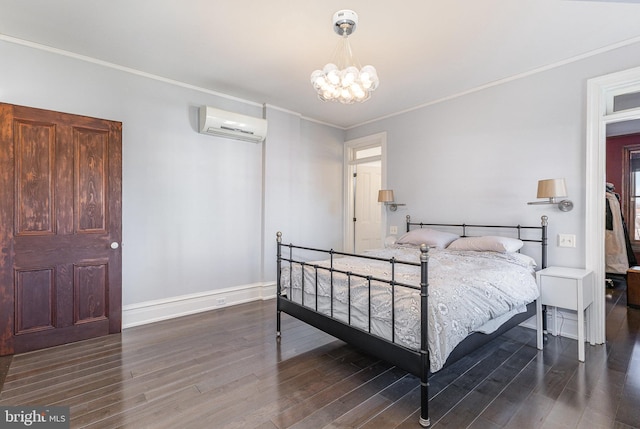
422,303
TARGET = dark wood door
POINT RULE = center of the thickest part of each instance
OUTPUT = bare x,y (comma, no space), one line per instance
60,228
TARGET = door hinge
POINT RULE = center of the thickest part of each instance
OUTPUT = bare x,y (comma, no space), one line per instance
354,219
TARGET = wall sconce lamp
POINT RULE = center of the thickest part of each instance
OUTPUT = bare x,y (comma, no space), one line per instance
386,196
553,189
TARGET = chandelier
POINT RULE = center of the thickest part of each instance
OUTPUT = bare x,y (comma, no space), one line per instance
343,79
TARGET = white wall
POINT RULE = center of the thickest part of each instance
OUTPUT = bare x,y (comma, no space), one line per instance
477,158
303,184
194,206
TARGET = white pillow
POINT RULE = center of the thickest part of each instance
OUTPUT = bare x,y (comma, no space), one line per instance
430,237
487,243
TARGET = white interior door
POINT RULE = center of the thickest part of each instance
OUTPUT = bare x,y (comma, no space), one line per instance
361,207
367,217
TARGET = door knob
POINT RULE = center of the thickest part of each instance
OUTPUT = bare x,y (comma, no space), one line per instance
115,245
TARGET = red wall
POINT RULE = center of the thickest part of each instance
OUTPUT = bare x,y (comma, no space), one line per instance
615,152
615,159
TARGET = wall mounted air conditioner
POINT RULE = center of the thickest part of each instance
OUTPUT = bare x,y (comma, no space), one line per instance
221,123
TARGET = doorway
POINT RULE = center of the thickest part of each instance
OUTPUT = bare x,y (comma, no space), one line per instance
601,113
623,188
364,177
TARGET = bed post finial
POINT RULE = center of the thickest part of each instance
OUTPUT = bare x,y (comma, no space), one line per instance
544,220
424,252
279,237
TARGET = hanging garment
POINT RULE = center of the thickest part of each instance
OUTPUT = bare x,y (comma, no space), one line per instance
615,244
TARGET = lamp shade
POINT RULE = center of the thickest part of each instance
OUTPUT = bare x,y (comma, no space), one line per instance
385,195
552,188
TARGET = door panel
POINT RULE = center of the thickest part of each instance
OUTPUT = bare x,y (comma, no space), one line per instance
90,292
61,187
35,301
34,146
91,174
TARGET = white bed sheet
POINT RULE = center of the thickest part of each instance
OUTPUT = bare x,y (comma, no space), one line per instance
468,292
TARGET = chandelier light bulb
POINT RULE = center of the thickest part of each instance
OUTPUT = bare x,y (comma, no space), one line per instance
357,91
343,80
369,77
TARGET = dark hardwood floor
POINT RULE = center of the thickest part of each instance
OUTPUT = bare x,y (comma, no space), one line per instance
225,369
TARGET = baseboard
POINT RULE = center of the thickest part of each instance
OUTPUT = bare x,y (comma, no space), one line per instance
163,309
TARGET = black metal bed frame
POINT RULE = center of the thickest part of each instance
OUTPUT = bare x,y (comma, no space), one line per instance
413,361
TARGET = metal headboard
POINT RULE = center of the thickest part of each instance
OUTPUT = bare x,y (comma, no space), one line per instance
544,221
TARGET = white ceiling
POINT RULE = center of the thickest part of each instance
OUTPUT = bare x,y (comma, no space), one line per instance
264,51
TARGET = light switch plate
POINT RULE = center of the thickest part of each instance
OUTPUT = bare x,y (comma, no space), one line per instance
393,229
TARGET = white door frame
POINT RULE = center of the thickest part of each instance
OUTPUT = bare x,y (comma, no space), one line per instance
600,92
379,139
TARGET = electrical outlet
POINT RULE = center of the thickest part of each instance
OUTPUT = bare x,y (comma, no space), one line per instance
221,301
393,229
566,240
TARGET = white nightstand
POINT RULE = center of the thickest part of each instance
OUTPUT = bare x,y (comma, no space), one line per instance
569,288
